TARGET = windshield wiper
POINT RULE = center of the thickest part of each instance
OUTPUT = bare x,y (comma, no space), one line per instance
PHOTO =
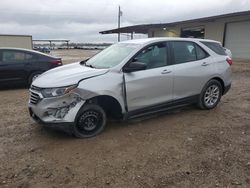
89,65
84,62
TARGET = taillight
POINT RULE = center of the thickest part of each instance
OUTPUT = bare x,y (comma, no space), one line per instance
56,62
229,61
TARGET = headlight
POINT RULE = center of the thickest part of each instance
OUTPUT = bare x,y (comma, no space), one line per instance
55,92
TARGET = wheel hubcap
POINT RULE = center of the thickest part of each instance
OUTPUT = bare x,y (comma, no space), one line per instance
212,95
89,121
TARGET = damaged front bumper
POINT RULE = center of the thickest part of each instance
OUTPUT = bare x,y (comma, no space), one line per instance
55,112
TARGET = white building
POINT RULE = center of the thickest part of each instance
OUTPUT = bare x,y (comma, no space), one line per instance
16,41
232,30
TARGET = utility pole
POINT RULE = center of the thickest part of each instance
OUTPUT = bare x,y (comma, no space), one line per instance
119,22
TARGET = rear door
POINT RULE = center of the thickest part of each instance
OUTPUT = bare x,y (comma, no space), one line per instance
192,68
154,85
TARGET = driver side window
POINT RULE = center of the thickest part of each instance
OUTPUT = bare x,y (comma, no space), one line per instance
153,56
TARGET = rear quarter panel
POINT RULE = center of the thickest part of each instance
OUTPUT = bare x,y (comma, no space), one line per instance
223,69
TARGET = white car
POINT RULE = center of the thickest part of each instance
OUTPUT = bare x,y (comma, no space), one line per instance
128,80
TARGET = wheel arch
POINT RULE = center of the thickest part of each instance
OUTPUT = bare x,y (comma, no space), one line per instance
110,105
221,82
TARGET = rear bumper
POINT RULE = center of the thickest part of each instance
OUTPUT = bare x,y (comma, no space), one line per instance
226,89
63,126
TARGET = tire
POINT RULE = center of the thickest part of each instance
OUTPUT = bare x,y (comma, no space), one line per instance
210,95
32,77
90,121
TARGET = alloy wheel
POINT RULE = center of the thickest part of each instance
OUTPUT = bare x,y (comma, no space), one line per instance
212,95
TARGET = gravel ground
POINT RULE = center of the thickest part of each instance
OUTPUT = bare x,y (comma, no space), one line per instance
184,148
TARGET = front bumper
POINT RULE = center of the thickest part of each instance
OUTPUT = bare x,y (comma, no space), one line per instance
66,126
54,111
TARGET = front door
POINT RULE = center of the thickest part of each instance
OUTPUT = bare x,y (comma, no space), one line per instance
153,86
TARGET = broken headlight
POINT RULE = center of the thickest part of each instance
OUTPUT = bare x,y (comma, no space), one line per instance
55,92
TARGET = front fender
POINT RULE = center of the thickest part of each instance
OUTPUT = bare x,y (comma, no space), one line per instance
110,84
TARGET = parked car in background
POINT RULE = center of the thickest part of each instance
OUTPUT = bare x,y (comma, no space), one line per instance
131,79
42,49
22,65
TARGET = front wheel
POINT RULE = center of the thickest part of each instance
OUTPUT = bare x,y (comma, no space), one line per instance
90,121
210,95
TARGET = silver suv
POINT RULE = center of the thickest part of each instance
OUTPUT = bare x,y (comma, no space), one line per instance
128,80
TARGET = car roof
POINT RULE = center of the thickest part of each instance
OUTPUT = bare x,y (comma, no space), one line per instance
162,39
27,50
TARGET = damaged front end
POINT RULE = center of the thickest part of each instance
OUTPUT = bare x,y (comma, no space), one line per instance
55,105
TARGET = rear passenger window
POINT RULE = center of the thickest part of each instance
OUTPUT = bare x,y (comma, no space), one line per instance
29,56
183,52
216,47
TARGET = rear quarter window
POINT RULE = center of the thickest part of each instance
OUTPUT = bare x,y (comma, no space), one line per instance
200,53
216,47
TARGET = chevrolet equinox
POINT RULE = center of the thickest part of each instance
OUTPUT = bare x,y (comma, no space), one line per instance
128,80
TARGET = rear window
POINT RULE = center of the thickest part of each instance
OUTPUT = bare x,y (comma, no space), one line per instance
216,47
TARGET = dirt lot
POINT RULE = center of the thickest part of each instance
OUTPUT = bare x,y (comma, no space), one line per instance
185,148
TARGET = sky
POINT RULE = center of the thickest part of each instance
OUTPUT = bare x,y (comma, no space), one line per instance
82,20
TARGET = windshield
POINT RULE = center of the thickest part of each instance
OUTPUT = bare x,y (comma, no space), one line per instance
111,56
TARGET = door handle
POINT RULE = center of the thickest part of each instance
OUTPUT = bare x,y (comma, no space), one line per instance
166,71
204,64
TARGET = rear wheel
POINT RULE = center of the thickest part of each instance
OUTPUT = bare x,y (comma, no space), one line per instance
90,121
210,95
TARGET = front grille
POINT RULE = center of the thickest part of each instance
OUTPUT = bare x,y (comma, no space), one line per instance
34,98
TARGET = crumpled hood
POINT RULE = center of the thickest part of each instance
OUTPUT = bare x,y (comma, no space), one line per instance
66,75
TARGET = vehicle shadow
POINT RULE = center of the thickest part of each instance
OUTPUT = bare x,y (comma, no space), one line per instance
117,125
52,133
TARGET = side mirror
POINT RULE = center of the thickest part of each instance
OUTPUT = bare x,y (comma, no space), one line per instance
134,66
